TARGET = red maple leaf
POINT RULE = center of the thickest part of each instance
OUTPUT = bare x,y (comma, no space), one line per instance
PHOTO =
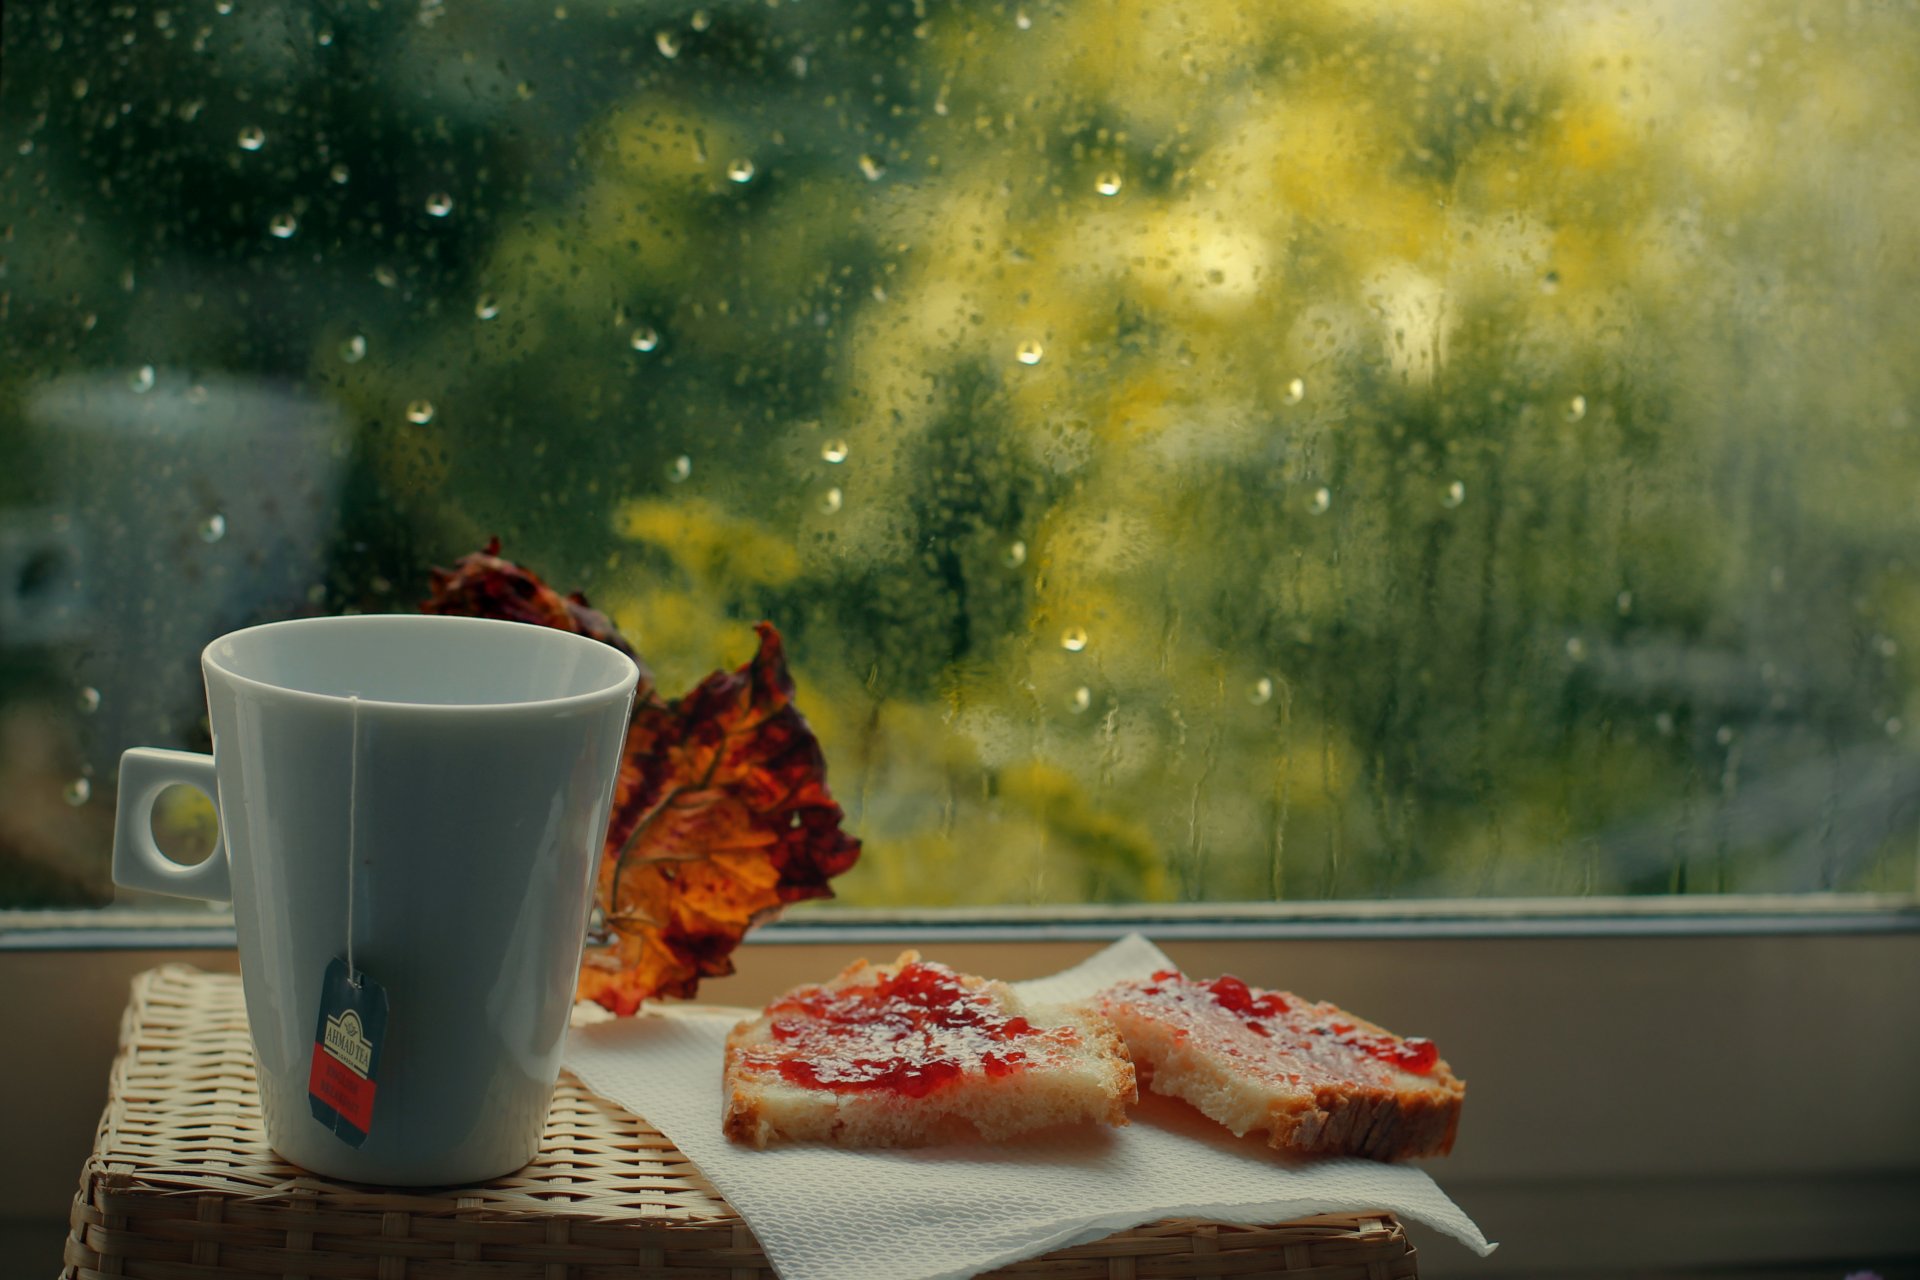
721,815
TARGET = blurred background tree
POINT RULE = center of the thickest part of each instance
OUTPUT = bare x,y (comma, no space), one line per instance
1196,452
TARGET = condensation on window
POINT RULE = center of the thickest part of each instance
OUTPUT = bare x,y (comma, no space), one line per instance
1195,452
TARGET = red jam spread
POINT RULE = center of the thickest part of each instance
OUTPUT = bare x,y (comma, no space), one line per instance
912,1032
1308,1029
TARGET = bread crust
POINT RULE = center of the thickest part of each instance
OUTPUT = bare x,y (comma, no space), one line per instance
1077,1071
1204,1055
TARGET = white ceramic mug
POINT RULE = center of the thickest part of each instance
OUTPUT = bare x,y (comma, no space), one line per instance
469,766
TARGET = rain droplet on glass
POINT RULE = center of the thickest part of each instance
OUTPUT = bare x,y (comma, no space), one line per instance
1016,554
1576,408
339,175
680,468
1624,603
1664,723
323,38
1455,495
77,792
645,338
283,226
1073,639
1081,700
1893,727
354,349
740,170
1724,735
1296,391
439,204
1576,648
1322,499
1887,646
385,276
1022,21
1262,691
223,7
213,528
486,306
831,500
667,43
701,20
141,379
1030,353
419,412
88,700
252,138
872,170
1107,184
834,450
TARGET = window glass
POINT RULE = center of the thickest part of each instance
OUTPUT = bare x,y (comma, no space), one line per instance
1195,451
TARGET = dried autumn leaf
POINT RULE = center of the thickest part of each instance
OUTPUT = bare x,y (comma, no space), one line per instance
721,815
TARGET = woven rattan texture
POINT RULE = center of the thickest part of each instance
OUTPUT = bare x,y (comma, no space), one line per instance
182,1186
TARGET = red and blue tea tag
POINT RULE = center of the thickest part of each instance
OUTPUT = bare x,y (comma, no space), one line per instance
346,1052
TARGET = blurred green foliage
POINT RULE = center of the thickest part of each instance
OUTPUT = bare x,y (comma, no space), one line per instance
1195,451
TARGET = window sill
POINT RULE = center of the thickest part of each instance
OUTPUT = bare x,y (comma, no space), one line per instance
1620,917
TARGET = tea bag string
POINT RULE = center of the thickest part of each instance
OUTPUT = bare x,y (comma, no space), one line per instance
353,827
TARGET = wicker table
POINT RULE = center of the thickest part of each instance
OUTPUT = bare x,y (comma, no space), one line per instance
182,1186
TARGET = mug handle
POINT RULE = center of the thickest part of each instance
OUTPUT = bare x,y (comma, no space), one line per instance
137,861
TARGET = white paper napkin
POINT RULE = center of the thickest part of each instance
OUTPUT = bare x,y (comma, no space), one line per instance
826,1214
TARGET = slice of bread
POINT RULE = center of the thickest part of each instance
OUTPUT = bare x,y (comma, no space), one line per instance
1314,1077
912,1053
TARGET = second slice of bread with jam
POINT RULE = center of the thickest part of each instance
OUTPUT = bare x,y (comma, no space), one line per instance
911,1053
1315,1078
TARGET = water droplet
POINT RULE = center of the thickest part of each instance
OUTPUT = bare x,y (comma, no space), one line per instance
1624,603
1296,391
1022,21
1664,723
213,528
88,700
700,20
1073,639
1724,735
486,307
830,501
740,170
645,338
323,38
1262,691
283,226
1455,495
1016,554
871,169
524,90
1894,726
354,349
1322,499
439,204
1887,646
1030,352
77,792
1550,282
223,7
339,175
141,379
1576,408
1081,700
667,43
80,87
680,468
1107,184
252,138
1576,648
834,450
419,412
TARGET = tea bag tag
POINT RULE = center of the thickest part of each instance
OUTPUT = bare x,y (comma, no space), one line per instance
346,1051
